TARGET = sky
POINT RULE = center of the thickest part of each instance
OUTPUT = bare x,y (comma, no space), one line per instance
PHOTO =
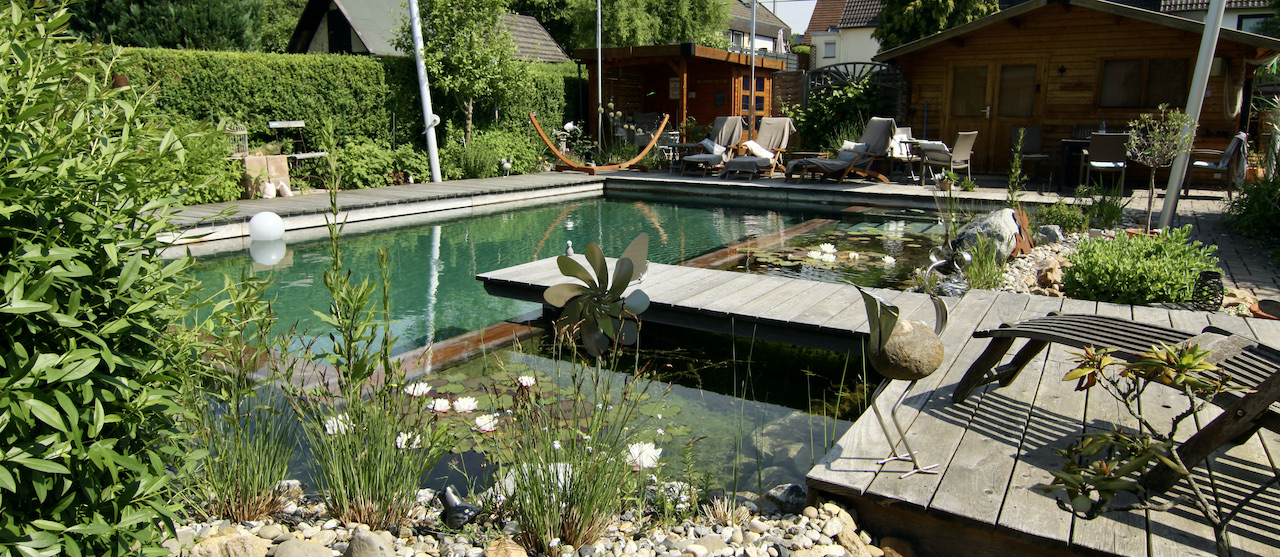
795,12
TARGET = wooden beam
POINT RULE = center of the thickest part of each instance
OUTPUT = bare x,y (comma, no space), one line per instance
959,42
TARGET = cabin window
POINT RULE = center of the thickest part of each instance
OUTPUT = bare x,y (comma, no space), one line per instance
1017,91
829,49
1251,23
969,91
737,38
1144,83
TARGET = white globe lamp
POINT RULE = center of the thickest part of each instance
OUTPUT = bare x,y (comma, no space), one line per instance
266,226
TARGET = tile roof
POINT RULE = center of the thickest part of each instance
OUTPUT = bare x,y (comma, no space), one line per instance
1182,5
742,10
826,14
533,42
860,13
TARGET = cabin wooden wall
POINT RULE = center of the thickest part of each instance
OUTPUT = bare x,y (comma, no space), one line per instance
1077,40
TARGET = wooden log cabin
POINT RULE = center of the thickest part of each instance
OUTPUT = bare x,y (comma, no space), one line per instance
1061,65
682,80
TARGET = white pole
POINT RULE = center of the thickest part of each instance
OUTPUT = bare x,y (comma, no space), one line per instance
1195,100
599,74
433,288
752,99
428,117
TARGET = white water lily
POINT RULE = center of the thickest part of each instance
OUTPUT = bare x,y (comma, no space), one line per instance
417,389
814,254
336,425
487,423
465,404
643,455
440,405
889,260
829,258
827,248
853,256
406,440
526,381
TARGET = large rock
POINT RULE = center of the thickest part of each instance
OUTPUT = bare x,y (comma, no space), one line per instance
789,498
239,545
367,544
302,548
998,226
1049,234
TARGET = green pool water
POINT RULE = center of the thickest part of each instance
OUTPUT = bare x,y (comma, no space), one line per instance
434,294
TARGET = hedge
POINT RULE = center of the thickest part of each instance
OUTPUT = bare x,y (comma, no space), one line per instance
361,94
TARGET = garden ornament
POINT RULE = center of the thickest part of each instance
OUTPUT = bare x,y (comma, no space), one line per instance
457,511
505,165
906,350
568,247
597,308
266,226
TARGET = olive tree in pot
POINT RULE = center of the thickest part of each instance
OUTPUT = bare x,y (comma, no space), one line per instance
1156,140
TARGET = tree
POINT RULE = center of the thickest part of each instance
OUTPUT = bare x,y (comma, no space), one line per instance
468,55
191,24
276,22
1156,140
572,23
903,21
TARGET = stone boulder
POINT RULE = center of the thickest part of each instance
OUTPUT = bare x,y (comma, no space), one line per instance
302,548
367,544
999,226
789,498
236,545
1048,234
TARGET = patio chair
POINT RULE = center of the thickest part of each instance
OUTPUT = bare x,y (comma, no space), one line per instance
900,151
1250,364
720,146
936,154
854,157
765,151
1231,161
1107,152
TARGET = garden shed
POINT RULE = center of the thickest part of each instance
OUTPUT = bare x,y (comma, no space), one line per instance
1069,67
683,80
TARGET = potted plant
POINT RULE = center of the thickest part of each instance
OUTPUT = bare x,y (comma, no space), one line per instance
948,179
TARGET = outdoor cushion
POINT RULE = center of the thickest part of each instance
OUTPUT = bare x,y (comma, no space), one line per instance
846,155
825,165
853,146
1101,164
758,150
711,147
711,159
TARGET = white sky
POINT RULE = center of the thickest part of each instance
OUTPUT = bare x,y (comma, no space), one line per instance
795,12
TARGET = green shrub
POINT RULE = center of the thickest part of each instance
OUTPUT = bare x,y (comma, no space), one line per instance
1105,208
206,175
87,406
1070,217
833,112
550,90
481,159
364,164
1138,269
1255,210
986,271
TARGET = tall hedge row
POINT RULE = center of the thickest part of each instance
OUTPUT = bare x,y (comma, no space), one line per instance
361,94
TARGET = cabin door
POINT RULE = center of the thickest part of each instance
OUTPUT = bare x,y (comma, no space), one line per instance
991,99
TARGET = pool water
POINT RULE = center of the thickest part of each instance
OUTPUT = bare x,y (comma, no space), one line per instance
434,294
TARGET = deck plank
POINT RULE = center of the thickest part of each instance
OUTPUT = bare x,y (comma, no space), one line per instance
763,285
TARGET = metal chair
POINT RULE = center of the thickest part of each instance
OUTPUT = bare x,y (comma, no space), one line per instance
955,158
1107,152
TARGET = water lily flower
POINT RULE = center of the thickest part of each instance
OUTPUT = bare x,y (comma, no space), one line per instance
417,389
643,455
526,381
440,405
337,425
661,432
889,260
555,445
813,254
853,256
827,248
487,423
829,258
465,404
407,440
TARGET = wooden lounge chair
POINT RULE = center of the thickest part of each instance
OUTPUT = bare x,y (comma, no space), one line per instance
1250,364
857,158
771,139
726,132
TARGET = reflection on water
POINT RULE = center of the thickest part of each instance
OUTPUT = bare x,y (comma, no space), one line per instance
434,294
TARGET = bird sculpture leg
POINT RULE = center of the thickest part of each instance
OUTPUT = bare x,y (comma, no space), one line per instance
893,415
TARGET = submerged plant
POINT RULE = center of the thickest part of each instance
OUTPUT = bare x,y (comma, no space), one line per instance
597,310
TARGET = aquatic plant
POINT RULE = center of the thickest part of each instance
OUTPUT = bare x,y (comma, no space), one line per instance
597,310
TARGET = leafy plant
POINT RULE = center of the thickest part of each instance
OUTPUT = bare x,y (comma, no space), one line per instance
90,366
1105,208
1017,180
481,157
833,111
986,271
1255,210
205,175
1156,140
365,164
1138,269
1069,216
596,309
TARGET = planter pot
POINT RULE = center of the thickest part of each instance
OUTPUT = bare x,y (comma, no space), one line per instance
1253,174
944,185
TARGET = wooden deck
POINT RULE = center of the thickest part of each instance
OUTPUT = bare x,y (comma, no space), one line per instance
992,448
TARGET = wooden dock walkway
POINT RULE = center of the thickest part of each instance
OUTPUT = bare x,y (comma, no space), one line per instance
993,448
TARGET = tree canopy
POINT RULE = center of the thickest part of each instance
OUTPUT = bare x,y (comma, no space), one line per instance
276,23
189,24
903,21
572,23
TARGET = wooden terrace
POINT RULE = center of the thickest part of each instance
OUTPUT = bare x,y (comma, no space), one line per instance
993,448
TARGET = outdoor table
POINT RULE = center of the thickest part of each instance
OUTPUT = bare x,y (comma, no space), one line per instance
1072,149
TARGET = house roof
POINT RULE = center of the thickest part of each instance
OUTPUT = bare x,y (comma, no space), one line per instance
826,14
1187,5
860,13
767,23
376,22
1113,8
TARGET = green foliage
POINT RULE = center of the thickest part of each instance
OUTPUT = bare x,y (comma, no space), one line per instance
1070,217
801,49
904,21
548,90
276,22
1255,209
835,114
481,158
1156,140
186,24
87,405
1017,180
1106,207
1138,269
206,175
365,164
986,271
572,23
